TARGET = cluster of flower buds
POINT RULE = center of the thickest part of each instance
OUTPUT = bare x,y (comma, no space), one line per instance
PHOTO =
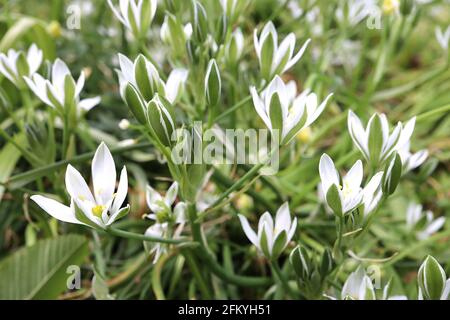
148,97
432,281
165,218
311,274
135,15
273,58
61,92
346,194
14,65
97,209
272,237
285,113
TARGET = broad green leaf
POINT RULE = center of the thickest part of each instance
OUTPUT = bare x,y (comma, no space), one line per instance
39,271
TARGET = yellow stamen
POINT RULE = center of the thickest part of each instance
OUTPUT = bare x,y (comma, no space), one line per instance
98,210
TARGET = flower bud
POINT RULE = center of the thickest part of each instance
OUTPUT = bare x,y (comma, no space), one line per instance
134,102
147,77
160,119
392,175
431,279
235,47
199,21
327,263
213,84
301,262
221,29
406,6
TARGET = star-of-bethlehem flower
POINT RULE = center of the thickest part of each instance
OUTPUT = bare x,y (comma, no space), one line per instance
273,58
375,142
285,113
346,194
443,37
15,65
422,222
272,237
99,208
165,218
62,91
135,15
360,287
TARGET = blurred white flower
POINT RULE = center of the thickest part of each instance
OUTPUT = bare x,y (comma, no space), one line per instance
359,286
136,15
422,222
443,37
272,238
285,113
411,161
14,65
375,142
344,197
273,58
95,209
124,124
62,92
356,11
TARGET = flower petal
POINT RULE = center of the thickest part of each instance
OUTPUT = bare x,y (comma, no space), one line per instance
103,174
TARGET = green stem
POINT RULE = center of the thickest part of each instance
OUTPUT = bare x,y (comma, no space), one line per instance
156,276
280,277
191,261
208,257
138,236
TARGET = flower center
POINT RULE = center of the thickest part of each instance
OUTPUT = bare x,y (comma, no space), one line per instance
98,210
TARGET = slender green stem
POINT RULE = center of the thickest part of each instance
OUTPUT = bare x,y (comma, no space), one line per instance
282,280
138,236
208,257
434,112
193,265
156,276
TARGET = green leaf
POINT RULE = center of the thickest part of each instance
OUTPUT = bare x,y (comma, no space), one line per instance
39,272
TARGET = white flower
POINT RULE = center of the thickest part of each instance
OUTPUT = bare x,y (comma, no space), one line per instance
136,15
124,124
15,65
62,91
162,206
358,10
272,238
283,112
96,209
174,85
411,161
174,33
273,58
160,230
422,222
346,196
443,37
359,286
166,218
375,142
